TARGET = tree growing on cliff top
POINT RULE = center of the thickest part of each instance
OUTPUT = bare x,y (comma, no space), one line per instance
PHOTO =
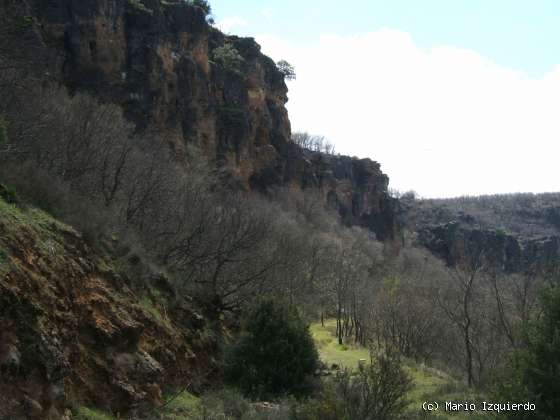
286,69
313,143
202,4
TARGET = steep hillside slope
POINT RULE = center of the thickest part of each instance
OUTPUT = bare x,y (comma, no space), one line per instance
73,330
162,62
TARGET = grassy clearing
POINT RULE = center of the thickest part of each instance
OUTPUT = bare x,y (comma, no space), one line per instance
42,239
46,231
84,413
429,384
15,215
333,353
184,406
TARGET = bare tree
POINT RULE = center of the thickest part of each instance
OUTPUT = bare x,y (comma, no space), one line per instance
458,303
313,143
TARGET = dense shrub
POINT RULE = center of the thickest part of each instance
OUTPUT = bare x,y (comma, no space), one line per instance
543,367
229,58
374,392
9,195
534,369
275,353
225,403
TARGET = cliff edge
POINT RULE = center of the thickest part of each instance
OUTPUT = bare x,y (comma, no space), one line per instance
174,75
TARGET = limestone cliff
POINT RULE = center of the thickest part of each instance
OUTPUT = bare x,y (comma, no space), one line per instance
157,59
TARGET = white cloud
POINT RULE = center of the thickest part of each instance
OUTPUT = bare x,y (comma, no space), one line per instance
444,121
227,24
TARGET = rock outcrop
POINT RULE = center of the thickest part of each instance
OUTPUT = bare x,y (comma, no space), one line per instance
512,233
158,60
73,330
457,243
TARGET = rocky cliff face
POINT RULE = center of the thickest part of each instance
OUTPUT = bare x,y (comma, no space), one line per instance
74,330
515,233
157,59
457,243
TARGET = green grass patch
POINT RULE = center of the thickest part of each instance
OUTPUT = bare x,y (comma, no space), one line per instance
433,385
151,308
84,413
46,232
331,352
13,217
428,384
183,406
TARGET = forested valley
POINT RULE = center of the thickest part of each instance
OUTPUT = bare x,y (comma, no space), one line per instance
169,249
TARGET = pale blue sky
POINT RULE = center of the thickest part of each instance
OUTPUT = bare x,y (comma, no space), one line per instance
452,97
521,34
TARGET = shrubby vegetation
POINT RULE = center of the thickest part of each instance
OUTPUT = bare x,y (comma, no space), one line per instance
9,194
287,70
531,373
81,160
274,354
313,143
228,57
374,391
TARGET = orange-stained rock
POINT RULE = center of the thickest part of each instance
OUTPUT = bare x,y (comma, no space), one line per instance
72,328
157,60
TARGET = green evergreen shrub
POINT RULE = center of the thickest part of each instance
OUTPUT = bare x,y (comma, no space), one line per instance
534,369
275,353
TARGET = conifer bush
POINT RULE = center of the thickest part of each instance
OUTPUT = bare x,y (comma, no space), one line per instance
533,370
274,354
